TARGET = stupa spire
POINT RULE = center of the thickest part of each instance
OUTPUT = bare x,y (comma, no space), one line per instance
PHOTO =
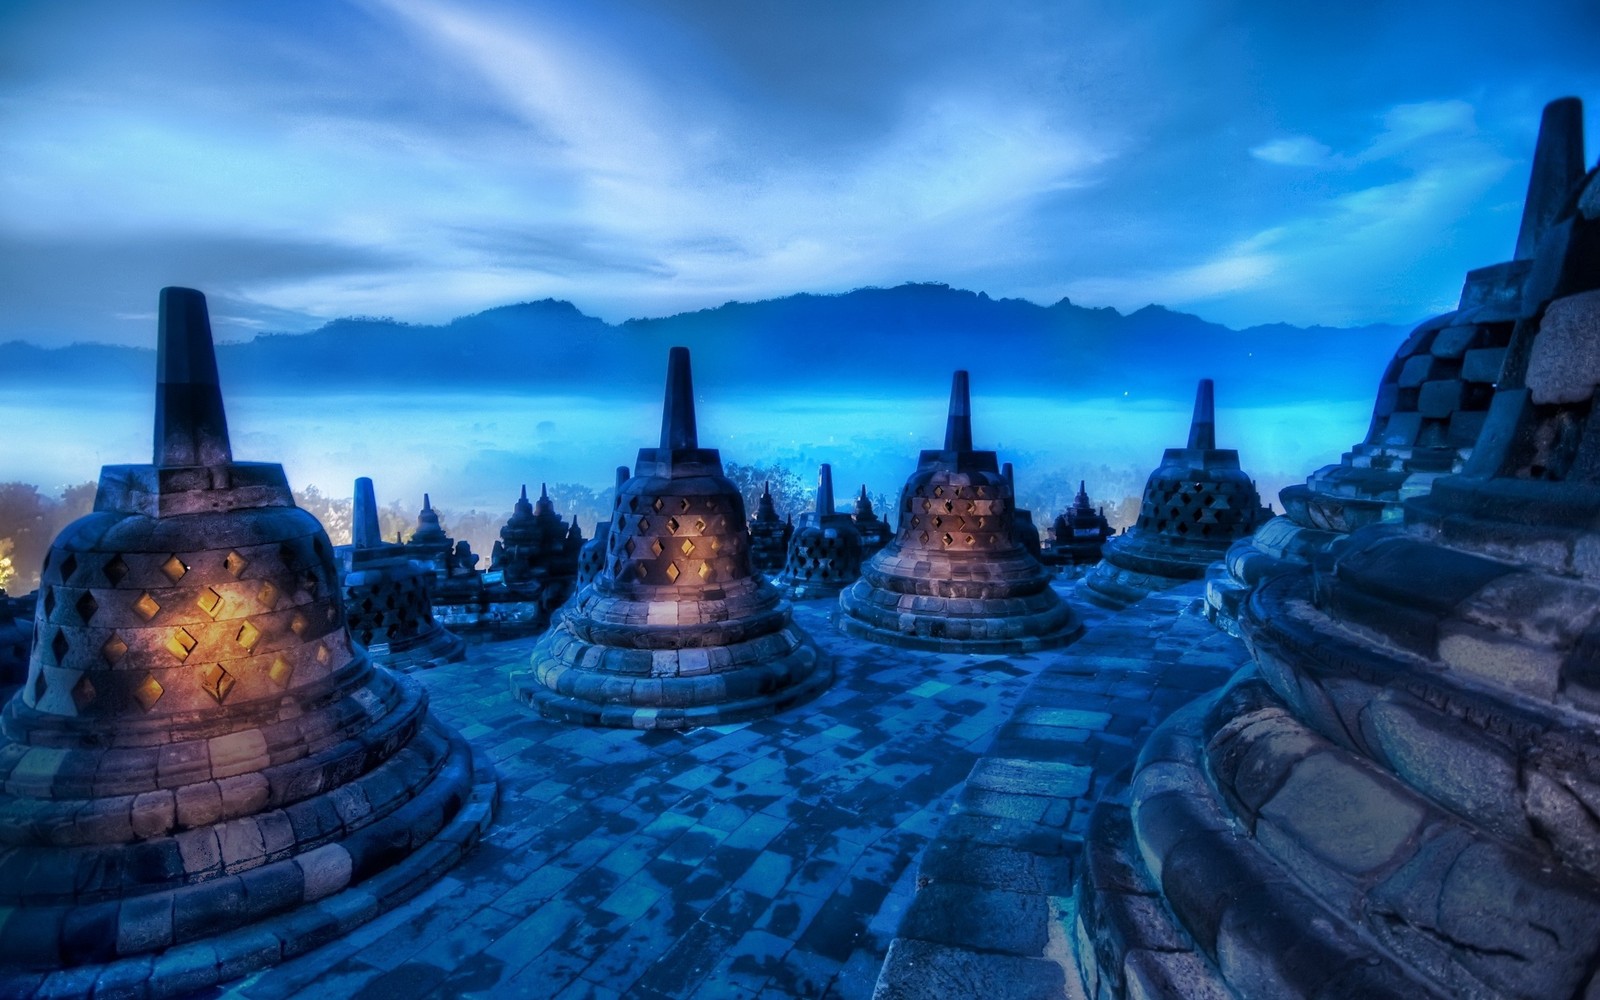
677,411
1203,427
191,426
825,490
364,531
623,472
1558,164
958,425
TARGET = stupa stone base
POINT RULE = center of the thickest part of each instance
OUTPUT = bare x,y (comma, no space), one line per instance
433,648
325,911
943,622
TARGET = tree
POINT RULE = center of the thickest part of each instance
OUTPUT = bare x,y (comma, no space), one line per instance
790,493
335,513
29,521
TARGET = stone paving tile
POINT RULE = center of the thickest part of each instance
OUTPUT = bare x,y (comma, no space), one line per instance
769,859
993,889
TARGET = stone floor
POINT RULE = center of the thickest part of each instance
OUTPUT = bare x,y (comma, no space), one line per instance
778,858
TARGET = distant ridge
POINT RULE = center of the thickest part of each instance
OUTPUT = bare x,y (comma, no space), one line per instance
906,338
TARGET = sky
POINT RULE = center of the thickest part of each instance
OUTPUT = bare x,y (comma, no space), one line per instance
1310,163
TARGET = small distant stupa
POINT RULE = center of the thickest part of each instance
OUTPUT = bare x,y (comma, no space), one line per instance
825,552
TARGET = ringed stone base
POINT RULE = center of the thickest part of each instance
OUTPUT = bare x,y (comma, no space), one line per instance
957,624
200,965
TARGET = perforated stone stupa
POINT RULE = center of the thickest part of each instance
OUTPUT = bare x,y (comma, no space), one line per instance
1400,799
1027,531
677,630
387,599
1196,503
956,578
769,535
592,556
203,772
1432,400
825,552
874,531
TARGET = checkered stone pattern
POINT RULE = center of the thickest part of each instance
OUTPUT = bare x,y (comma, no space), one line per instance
956,578
677,630
592,556
824,557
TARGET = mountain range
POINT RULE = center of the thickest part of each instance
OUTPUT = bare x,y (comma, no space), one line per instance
872,340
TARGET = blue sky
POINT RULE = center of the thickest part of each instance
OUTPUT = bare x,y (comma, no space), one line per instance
1250,162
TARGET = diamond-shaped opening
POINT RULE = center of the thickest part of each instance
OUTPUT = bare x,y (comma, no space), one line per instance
115,570
672,525
923,538
672,572
644,525
146,606
280,672
970,539
323,656
60,646
148,691
657,505
947,539
69,565
216,682
210,602
248,636
627,547
49,601
87,606
655,546
114,649
297,624
633,503
267,596
234,563
687,547
640,571
175,568
705,571
39,686
82,692
938,491
180,643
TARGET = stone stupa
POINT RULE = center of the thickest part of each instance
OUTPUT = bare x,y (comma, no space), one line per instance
387,601
677,630
1399,800
1079,534
203,773
956,579
769,535
1432,400
825,552
1196,503
537,549
1027,531
874,531
592,556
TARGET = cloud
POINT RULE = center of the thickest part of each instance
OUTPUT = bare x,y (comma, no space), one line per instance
1295,151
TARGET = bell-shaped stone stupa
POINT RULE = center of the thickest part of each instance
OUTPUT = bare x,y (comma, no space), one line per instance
769,535
1432,400
956,579
592,556
875,532
825,552
1196,504
1027,531
677,630
1079,534
202,761
1399,799
386,596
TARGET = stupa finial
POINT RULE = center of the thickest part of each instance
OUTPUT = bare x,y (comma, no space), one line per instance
524,497
544,491
825,490
677,411
191,427
1009,471
364,531
1203,428
427,504
958,425
1558,164
623,472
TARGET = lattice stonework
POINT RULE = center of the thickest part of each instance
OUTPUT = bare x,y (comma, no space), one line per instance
678,547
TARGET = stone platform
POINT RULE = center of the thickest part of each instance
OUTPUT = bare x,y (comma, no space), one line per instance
776,858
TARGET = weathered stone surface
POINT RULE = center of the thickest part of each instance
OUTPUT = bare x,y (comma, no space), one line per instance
677,630
1196,504
1567,353
957,578
199,688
